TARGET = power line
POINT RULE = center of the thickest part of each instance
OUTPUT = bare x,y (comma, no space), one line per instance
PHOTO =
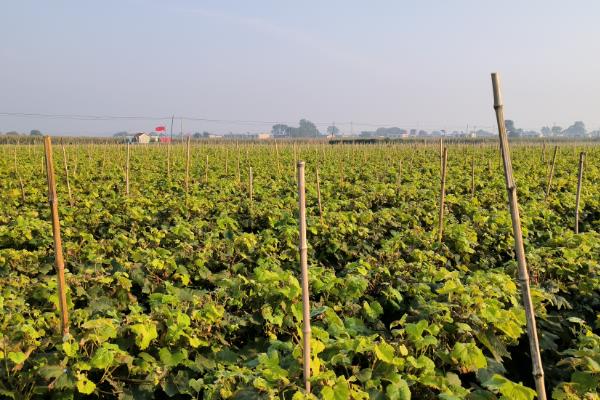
349,124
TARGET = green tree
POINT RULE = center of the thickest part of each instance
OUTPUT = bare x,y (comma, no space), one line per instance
556,130
280,130
35,132
333,130
511,129
307,128
577,129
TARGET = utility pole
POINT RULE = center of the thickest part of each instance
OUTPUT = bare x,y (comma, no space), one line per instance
172,118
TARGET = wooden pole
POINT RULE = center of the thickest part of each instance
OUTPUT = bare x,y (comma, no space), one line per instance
206,171
169,159
187,166
295,158
578,197
534,347
441,153
277,158
551,172
103,161
472,177
66,165
319,196
399,178
302,248
442,194
226,161
76,163
58,252
250,182
127,172
19,175
544,152
238,173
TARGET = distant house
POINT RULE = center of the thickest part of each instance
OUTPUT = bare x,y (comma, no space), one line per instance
263,136
141,137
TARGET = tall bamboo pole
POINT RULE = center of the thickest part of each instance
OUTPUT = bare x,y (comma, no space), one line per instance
19,175
206,171
250,183
127,172
551,172
295,158
399,177
578,197
441,152
534,347
442,194
302,249
277,158
58,252
472,177
169,159
238,173
66,165
319,196
187,166
544,152
103,161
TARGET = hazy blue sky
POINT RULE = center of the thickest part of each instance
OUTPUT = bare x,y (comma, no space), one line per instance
406,63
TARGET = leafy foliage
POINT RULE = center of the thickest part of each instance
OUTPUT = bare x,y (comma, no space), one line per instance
198,295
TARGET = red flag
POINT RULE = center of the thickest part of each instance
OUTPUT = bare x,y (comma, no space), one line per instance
160,129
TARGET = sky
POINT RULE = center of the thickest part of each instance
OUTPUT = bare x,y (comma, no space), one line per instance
240,66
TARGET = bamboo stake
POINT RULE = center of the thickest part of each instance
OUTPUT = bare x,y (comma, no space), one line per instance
239,176
578,197
187,166
76,163
319,196
58,252
295,158
169,159
472,177
66,165
442,194
250,182
226,161
551,172
277,158
103,162
399,178
534,347
127,172
544,152
302,249
441,153
206,171
19,175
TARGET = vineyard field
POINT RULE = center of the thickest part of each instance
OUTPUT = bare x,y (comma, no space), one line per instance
191,288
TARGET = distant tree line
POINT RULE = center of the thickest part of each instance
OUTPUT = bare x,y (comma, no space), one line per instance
305,129
577,129
33,132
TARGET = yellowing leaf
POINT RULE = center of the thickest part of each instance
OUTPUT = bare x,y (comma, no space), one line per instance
145,333
384,352
84,385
